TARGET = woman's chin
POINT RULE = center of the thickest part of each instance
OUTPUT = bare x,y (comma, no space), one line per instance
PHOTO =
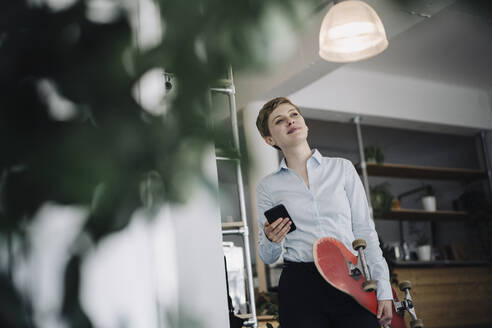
299,136
295,142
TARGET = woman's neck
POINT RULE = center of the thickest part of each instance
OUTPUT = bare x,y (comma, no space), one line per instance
296,157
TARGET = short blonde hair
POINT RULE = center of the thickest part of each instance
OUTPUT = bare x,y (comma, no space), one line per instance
264,114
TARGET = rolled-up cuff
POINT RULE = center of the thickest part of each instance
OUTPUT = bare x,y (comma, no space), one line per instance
269,250
383,291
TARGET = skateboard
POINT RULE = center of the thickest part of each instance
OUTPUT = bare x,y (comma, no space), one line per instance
350,274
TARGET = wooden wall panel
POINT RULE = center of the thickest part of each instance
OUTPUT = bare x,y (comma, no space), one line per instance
450,297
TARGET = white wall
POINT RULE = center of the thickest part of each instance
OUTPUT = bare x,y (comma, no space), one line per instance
174,263
408,99
132,275
170,267
202,284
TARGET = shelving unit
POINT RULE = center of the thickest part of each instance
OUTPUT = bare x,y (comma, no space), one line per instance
446,292
238,227
421,172
439,263
263,320
408,214
232,225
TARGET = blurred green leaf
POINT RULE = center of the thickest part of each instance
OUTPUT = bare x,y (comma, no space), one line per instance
71,131
71,308
14,311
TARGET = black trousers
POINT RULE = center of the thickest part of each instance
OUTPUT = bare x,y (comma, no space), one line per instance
306,300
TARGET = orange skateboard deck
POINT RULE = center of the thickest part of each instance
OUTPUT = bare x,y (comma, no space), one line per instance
332,260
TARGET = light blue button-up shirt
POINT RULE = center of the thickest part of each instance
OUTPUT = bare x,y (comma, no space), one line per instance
335,205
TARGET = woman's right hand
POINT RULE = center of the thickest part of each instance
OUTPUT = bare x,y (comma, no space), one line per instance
277,231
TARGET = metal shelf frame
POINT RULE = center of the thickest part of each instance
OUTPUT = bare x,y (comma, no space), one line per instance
229,89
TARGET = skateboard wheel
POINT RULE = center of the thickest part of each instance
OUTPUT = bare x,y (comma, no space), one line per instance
369,286
358,243
404,285
417,323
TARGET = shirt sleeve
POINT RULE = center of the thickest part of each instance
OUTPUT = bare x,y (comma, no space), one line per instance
363,227
268,251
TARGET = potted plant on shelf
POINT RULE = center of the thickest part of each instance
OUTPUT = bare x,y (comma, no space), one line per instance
374,154
423,248
429,199
267,304
381,199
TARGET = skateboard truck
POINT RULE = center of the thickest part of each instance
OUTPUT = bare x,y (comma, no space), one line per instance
407,305
354,271
342,269
369,285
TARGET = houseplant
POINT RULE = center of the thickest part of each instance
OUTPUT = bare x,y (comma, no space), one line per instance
423,248
76,133
429,199
374,154
381,199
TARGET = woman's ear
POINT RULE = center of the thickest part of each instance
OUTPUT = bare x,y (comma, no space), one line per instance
269,140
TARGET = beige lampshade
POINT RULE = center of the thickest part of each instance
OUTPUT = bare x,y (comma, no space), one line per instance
351,31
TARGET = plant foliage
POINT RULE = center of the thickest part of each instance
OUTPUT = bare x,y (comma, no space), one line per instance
72,132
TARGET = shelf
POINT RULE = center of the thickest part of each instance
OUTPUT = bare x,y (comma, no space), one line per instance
422,215
226,155
262,317
232,225
244,316
421,172
438,263
263,320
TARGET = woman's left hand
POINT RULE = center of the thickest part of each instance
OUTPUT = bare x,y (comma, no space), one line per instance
385,312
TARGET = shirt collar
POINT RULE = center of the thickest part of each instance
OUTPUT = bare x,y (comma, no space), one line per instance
316,156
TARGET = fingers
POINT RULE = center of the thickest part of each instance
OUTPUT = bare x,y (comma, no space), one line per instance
276,225
385,320
277,231
385,312
280,230
380,311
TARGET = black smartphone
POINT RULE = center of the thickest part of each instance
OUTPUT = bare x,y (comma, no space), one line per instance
279,211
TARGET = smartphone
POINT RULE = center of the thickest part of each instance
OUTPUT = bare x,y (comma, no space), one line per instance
279,211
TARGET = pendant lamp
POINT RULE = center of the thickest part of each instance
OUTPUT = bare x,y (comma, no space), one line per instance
351,31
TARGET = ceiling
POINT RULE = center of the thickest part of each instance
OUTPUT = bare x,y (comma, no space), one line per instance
454,46
447,41
441,40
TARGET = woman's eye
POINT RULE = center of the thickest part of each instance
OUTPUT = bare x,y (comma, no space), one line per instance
278,121
295,114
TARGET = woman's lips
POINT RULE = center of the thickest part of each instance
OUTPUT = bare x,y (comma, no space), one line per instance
292,130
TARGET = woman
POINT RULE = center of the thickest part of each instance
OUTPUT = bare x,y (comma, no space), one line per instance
325,197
